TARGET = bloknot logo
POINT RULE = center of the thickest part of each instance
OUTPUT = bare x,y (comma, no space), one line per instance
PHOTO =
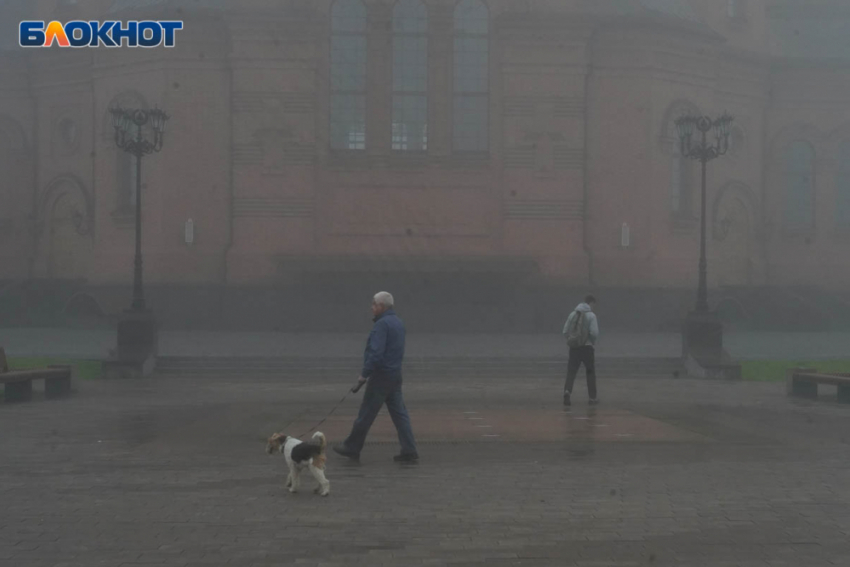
79,33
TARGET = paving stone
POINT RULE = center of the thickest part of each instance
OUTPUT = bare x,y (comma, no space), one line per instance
172,472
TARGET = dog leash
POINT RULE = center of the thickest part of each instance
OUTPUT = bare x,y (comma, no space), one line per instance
324,419
353,390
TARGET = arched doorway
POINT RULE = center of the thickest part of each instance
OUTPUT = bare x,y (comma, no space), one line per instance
124,174
734,235
682,196
66,245
16,200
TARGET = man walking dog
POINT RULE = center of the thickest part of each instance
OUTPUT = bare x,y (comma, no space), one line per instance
382,375
581,332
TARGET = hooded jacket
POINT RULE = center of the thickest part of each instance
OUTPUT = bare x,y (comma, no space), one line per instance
591,325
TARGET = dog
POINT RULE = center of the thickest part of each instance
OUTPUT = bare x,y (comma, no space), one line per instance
299,456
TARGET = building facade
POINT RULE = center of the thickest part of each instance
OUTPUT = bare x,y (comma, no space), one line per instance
520,140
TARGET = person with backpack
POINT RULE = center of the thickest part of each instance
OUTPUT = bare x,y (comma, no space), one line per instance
581,331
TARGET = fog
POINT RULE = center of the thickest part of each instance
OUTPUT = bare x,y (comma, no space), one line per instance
488,165
198,231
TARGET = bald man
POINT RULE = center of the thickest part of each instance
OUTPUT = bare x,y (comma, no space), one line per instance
381,373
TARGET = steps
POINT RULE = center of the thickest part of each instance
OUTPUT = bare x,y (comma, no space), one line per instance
432,367
431,306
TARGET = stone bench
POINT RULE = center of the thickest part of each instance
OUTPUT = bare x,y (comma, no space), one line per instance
18,383
804,382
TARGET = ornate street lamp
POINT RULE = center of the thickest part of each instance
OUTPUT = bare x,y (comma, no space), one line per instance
138,132
704,151
129,127
703,331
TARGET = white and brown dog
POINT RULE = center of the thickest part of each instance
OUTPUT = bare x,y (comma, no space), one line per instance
300,455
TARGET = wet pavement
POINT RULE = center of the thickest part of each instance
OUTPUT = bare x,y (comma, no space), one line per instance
172,472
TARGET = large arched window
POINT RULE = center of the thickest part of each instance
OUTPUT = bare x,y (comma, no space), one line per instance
410,75
682,169
736,9
682,185
799,210
126,165
14,169
128,174
842,187
6,141
12,137
471,76
348,75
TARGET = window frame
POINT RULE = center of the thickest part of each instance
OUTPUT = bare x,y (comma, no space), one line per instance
399,141
682,186
470,99
342,98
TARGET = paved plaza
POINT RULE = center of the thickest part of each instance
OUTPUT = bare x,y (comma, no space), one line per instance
667,472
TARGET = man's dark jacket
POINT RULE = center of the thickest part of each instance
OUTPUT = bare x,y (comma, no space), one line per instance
385,348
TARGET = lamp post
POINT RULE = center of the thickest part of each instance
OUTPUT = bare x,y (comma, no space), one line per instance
138,132
702,337
129,127
703,151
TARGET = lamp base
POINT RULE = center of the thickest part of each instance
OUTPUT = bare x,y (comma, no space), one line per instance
137,337
702,348
115,369
702,334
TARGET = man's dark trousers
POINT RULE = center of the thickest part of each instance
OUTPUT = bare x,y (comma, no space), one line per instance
380,390
578,356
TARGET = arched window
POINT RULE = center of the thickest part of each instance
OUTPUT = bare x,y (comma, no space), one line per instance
842,187
128,169
12,137
5,140
410,75
733,8
348,75
736,9
799,210
125,165
471,76
15,179
682,186
682,169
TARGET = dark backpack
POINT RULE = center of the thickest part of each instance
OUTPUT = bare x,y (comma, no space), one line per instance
577,334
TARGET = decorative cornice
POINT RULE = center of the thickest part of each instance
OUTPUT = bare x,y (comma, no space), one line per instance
544,209
563,107
272,208
258,102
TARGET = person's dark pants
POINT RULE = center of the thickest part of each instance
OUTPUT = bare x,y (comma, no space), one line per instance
578,356
379,392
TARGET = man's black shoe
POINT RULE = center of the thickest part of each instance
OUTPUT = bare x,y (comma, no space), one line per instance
346,452
409,458
594,402
567,401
